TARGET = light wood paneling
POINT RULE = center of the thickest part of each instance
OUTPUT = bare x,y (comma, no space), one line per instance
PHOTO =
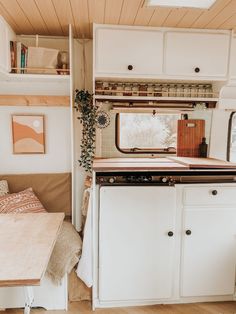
64,13
19,16
52,17
159,17
33,15
113,11
129,11
35,100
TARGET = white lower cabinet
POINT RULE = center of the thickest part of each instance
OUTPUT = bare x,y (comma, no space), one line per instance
209,247
166,244
135,252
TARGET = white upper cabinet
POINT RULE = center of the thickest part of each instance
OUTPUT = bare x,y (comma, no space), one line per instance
197,54
128,52
232,70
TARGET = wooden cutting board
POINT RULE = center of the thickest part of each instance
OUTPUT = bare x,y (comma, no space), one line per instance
204,163
189,136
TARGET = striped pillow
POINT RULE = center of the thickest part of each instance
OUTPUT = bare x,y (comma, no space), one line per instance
3,187
23,202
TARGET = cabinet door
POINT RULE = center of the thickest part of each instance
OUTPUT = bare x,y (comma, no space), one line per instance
135,251
4,46
208,260
196,54
129,52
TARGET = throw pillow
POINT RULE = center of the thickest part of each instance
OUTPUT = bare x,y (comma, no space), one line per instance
23,202
3,187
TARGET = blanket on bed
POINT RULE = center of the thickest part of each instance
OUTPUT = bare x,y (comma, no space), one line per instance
66,253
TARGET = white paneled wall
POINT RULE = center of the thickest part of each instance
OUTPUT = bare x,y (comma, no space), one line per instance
57,133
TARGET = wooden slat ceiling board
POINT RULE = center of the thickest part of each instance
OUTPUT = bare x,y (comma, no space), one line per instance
51,17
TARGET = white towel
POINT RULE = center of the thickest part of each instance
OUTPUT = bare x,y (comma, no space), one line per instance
85,267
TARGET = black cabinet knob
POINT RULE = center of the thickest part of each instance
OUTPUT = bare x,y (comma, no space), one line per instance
188,232
170,233
197,70
130,67
214,192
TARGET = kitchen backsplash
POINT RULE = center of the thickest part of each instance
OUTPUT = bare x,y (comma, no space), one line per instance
108,147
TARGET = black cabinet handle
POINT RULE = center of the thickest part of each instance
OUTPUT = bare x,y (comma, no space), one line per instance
197,70
188,232
214,192
130,67
170,233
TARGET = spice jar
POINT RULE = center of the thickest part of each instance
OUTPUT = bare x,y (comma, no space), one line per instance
127,90
98,88
209,91
135,89
193,90
112,87
119,89
157,90
186,90
150,90
200,92
164,90
172,90
106,88
179,90
142,89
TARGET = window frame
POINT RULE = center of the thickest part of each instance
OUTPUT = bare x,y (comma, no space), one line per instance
165,151
229,135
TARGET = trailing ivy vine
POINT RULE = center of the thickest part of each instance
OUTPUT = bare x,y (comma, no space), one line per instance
88,113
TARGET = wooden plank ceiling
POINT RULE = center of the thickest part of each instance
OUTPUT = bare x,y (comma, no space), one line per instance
51,17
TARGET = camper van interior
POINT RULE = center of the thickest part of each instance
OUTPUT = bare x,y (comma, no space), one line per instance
118,156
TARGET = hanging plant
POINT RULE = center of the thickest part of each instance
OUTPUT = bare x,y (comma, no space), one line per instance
88,119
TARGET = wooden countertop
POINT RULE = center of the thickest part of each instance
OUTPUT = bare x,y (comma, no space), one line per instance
158,163
26,244
136,164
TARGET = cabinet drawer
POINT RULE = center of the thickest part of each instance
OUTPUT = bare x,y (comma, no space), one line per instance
210,195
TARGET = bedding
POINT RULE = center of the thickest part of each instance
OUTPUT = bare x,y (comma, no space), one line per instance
66,253
23,202
3,187
53,189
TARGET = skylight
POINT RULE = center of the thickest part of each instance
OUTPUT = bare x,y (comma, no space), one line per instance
200,4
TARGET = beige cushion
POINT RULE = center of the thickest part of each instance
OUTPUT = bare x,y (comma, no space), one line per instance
23,202
3,187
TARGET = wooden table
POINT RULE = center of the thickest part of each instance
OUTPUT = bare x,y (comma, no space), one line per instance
26,244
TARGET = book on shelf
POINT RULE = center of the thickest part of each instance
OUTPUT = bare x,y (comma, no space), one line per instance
18,54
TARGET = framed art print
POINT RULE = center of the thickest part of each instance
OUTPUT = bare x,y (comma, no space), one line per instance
28,134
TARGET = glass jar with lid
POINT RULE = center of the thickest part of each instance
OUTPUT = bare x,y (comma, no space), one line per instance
119,89
112,87
209,91
135,89
99,88
200,91
172,90
193,91
150,89
165,90
157,90
106,88
179,90
186,90
142,89
127,89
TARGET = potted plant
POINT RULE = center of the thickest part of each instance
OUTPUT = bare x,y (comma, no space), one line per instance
88,117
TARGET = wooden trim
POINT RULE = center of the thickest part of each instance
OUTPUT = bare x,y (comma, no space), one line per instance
34,100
